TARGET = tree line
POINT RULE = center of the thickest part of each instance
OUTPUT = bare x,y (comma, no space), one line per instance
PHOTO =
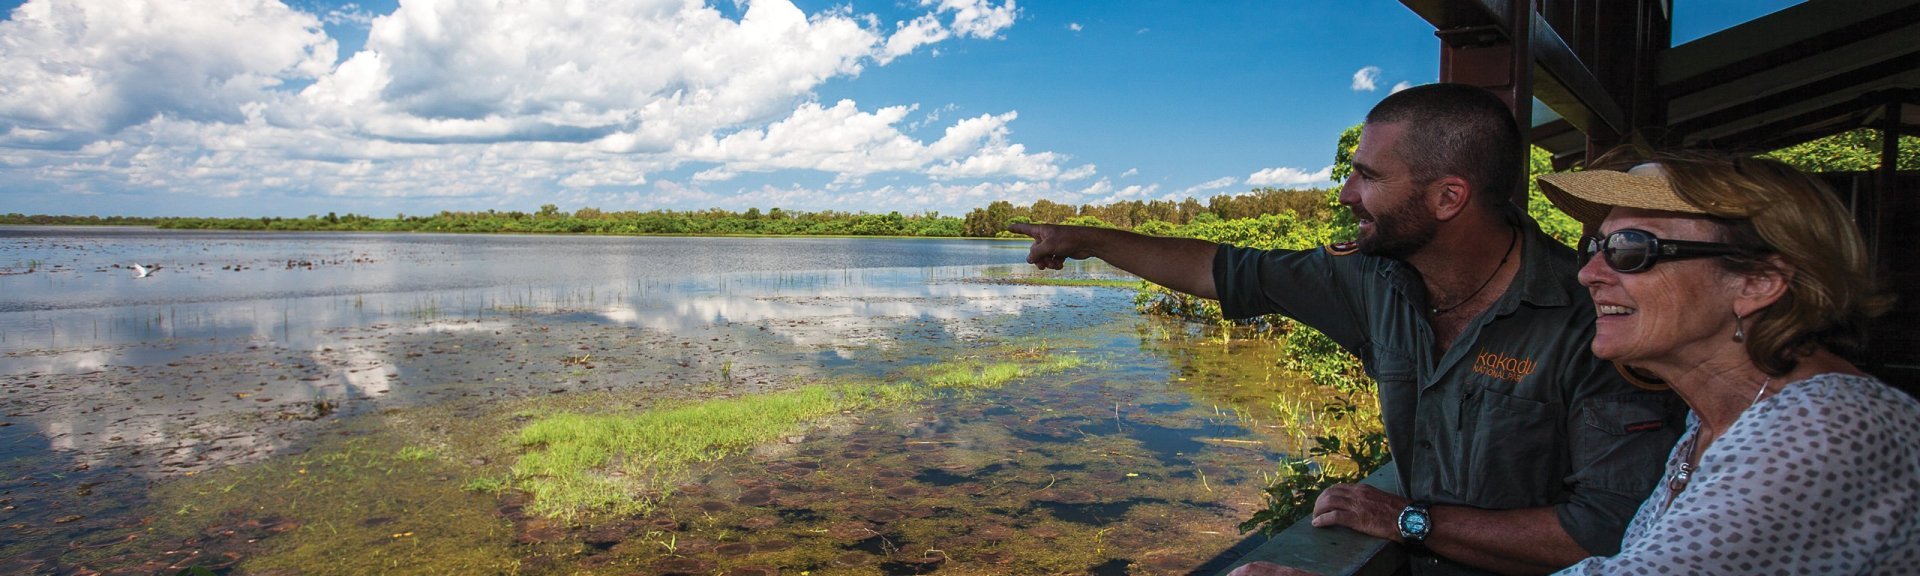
980,222
1847,151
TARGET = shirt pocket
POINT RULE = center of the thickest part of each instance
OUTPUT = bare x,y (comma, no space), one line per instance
1514,449
1621,441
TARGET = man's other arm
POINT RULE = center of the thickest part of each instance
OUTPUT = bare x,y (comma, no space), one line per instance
1182,264
1524,541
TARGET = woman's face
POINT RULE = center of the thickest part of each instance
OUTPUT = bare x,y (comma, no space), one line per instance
1677,311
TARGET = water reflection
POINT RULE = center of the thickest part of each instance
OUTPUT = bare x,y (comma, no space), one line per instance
209,366
240,338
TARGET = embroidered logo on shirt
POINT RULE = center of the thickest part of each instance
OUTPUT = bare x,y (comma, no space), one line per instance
1343,248
1647,426
1502,366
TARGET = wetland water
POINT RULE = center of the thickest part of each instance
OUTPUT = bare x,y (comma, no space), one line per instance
347,403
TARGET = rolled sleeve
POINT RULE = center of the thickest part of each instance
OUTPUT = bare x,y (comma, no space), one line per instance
1318,289
1619,444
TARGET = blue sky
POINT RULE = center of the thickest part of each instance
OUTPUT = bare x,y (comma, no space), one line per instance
264,107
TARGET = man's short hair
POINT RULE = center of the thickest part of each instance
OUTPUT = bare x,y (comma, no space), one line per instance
1456,130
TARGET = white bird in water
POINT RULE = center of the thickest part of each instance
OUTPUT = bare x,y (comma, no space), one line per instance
140,271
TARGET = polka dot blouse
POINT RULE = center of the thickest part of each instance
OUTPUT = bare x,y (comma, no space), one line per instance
1821,478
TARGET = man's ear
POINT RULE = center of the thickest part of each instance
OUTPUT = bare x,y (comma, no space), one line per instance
1761,289
1448,196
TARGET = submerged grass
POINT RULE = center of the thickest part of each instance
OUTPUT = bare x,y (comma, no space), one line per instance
1087,282
581,462
982,374
625,463
997,368
420,522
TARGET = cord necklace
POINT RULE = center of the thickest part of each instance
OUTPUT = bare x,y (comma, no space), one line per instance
1511,241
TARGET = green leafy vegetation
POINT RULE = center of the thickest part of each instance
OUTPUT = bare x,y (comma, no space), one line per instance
1851,151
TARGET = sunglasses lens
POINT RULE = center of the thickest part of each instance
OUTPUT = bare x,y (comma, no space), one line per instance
1627,250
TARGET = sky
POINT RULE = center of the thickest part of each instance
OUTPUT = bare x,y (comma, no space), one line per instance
381,107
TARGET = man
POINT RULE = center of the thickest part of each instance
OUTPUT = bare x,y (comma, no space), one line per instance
1517,450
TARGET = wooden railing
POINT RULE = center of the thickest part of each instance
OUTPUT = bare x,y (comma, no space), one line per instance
1333,551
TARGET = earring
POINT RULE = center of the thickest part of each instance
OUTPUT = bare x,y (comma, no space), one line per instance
1739,334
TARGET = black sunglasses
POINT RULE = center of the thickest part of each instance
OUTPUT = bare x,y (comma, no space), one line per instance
1630,250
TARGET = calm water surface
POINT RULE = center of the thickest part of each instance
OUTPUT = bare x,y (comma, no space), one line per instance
245,355
287,286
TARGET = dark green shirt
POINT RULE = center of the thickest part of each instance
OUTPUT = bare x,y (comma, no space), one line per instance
1517,413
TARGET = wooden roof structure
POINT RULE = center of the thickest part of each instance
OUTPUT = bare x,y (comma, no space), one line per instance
1586,75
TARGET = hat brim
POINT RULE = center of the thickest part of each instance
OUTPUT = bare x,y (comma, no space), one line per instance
1587,196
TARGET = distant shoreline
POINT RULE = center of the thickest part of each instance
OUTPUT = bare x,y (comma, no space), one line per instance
505,233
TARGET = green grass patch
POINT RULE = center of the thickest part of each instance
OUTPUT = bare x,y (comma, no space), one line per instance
982,373
413,454
487,484
1087,282
625,463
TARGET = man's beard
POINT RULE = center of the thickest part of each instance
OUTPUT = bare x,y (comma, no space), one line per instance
1399,231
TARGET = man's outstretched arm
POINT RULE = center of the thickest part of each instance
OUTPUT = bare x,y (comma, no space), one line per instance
1182,264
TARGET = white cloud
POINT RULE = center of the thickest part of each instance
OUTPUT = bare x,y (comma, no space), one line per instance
999,158
1364,79
1284,177
1081,172
931,117
715,175
1130,172
969,19
977,18
1075,26
840,139
921,31
98,66
1402,85
656,71
1210,185
495,101
349,13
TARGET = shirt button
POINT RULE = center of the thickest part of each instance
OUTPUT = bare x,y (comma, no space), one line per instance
1425,445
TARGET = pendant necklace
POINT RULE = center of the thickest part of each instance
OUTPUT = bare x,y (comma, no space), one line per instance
1684,472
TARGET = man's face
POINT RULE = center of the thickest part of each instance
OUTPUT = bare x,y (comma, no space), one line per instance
1394,223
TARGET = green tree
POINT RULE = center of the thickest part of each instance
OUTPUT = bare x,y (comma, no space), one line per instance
1851,151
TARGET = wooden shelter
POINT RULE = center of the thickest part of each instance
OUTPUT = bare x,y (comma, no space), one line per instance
1586,75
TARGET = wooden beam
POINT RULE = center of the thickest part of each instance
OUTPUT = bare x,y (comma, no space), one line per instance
1755,62
1812,90
1779,133
1568,87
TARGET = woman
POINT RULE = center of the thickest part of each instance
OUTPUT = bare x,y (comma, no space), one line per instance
1739,282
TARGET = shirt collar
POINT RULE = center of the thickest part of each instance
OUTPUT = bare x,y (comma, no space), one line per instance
1548,270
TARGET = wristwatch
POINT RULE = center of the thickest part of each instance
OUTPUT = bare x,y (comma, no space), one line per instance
1415,524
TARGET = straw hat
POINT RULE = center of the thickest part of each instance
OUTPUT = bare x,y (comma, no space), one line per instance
1588,195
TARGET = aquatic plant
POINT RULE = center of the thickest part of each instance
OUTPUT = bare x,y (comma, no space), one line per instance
1081,282
625,463
413,454
1341,456
975,374
486,484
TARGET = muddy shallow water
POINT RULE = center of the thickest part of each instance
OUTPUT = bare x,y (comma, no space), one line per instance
352,427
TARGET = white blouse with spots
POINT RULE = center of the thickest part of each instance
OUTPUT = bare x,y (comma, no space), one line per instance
1821,478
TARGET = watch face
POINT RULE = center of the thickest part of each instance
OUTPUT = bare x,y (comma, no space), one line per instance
1414,524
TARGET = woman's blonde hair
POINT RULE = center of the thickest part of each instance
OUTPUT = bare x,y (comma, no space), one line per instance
1763,203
